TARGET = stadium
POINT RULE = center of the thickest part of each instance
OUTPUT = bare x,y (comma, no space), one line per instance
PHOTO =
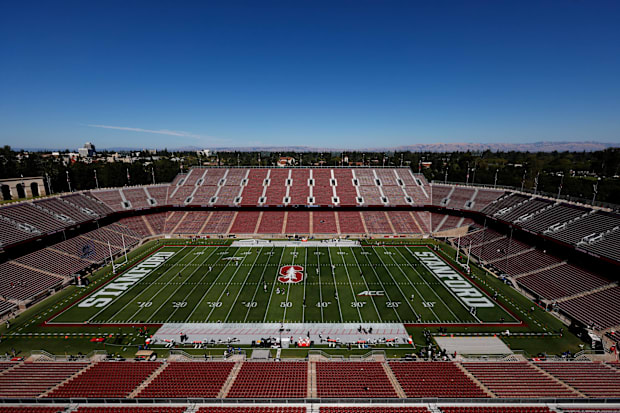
294,289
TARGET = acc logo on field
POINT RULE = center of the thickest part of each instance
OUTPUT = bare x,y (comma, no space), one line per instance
291,274
370,294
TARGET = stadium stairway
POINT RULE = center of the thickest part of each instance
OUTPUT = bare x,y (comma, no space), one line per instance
148,381
390,374
475,380
584,293
311,392
230,380
562,382
506,257
77,373
37,269
148,225
537,270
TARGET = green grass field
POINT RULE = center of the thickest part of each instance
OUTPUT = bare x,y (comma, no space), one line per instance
242,284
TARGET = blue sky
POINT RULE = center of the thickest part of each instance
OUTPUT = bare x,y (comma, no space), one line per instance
346,74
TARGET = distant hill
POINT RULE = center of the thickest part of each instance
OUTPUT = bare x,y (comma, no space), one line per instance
448,147
419,147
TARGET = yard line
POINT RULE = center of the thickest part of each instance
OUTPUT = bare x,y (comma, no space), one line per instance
318,267
212,284
368,288
258,284
175,290
337,297
303,304
425,282
195,286
450,291
132,300
288,288
232,305
274,284
398,285
350,285
219,299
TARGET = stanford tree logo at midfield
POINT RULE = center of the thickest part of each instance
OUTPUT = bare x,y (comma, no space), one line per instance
291,274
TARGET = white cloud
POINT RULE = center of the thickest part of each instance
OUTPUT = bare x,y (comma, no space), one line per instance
159,131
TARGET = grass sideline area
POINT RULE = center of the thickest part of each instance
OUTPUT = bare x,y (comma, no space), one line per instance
27,332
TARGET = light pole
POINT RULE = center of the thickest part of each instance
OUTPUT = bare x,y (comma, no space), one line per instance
96,180
495,182
595,188
560,187
68,180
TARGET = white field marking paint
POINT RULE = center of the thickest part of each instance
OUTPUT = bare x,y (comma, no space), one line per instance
165,287
291,275
258,284
243,285
318,254
195,286
137,298
390,300
429,286
469,295
217,277
273,286
120,285
346,268
398,285
359,268
232,277
331,265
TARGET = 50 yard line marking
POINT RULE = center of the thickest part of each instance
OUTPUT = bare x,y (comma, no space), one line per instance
273,286
303,304
288,287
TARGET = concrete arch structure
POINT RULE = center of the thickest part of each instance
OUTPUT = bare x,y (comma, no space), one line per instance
18,188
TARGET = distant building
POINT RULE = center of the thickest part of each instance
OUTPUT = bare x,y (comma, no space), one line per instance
88,151
204,152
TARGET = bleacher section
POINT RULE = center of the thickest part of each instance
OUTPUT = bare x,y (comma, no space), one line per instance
271,380
373,409
353,379
517,379
561,281
434,379
106,379
188,379
593,379
33,379
300,379
20,283
600,309
246,409
495,409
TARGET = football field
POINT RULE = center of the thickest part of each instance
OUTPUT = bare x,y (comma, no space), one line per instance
204,284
